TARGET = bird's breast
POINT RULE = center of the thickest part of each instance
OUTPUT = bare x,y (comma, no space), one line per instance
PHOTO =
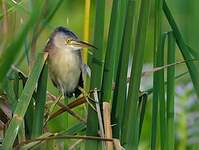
65,69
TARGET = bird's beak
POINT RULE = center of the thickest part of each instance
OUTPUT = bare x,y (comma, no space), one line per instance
81,44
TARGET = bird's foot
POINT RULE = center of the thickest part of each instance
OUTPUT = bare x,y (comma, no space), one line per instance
88,98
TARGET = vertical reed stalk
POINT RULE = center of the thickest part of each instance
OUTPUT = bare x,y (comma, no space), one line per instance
161,93
184,48
114,46
86,28
131,134
40,103
120,90
157,37
171,91
97,71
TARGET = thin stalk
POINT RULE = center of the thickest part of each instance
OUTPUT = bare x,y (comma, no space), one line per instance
23,103
131,132
142,107
29,117
170,91
107,124
151,90
17,43
157,34
40,103
21,133
185,50
86,27
120,90
10,94
161,94
97,71
114,46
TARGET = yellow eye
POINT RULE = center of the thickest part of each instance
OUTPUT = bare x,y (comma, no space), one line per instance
68,41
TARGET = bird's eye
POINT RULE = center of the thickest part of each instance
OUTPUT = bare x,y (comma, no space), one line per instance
68,41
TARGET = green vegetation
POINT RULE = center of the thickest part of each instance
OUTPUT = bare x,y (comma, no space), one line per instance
144,69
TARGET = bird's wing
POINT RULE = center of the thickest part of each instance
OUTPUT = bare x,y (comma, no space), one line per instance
86,71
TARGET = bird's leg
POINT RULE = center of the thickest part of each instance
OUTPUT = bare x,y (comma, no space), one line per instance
55,103
57,100
52,108
87,97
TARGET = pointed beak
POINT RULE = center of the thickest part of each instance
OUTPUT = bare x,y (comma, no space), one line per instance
81,44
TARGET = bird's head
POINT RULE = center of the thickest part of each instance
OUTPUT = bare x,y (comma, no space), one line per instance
66,39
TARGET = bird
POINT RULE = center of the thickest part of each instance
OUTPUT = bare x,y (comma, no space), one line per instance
65,65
